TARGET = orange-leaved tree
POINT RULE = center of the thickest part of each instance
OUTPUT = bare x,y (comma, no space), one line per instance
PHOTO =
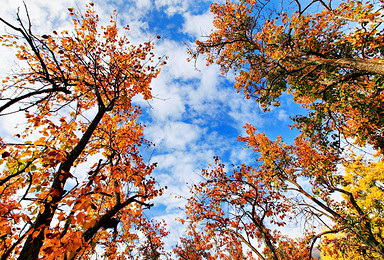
330,59
74,184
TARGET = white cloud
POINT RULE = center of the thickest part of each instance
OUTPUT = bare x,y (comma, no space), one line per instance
282,115
208,88
143,4
172,6
45,15
178,171
177,65
198,25
169,107
239,156
174,135
245,111
8,124
168,102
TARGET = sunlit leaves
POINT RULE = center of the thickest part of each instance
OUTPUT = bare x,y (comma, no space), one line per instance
328,63
77,97
329,57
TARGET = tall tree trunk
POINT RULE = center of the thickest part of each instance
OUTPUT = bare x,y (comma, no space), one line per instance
33,243
374,66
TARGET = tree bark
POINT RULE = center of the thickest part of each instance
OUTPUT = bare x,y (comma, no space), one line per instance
374,66
32,245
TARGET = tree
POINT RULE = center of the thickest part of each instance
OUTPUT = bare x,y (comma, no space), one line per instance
76,93
330,59
194,247
334,71
365,181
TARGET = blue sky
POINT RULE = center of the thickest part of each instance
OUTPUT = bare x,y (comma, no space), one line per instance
195,114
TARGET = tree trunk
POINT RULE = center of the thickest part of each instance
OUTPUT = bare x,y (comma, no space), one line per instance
32,245
374,66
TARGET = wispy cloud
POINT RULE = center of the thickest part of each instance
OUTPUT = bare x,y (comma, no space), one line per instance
198,25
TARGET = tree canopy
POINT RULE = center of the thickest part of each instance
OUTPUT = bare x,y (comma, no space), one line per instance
74,183
330,59
76,94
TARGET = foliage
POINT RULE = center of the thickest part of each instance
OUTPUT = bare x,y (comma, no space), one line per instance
328,65
194,247
76,94
365,181
331,61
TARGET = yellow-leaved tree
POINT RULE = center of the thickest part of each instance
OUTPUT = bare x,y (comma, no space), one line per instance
365,181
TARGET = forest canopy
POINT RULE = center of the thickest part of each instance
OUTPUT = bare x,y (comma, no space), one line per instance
329,57
75,180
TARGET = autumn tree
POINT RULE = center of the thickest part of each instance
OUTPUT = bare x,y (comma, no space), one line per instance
328,65
364,180
330,59
193,247
74,184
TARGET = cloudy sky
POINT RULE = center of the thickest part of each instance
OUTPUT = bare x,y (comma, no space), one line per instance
196,113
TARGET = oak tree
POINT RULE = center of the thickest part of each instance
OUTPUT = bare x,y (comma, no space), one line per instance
75,184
